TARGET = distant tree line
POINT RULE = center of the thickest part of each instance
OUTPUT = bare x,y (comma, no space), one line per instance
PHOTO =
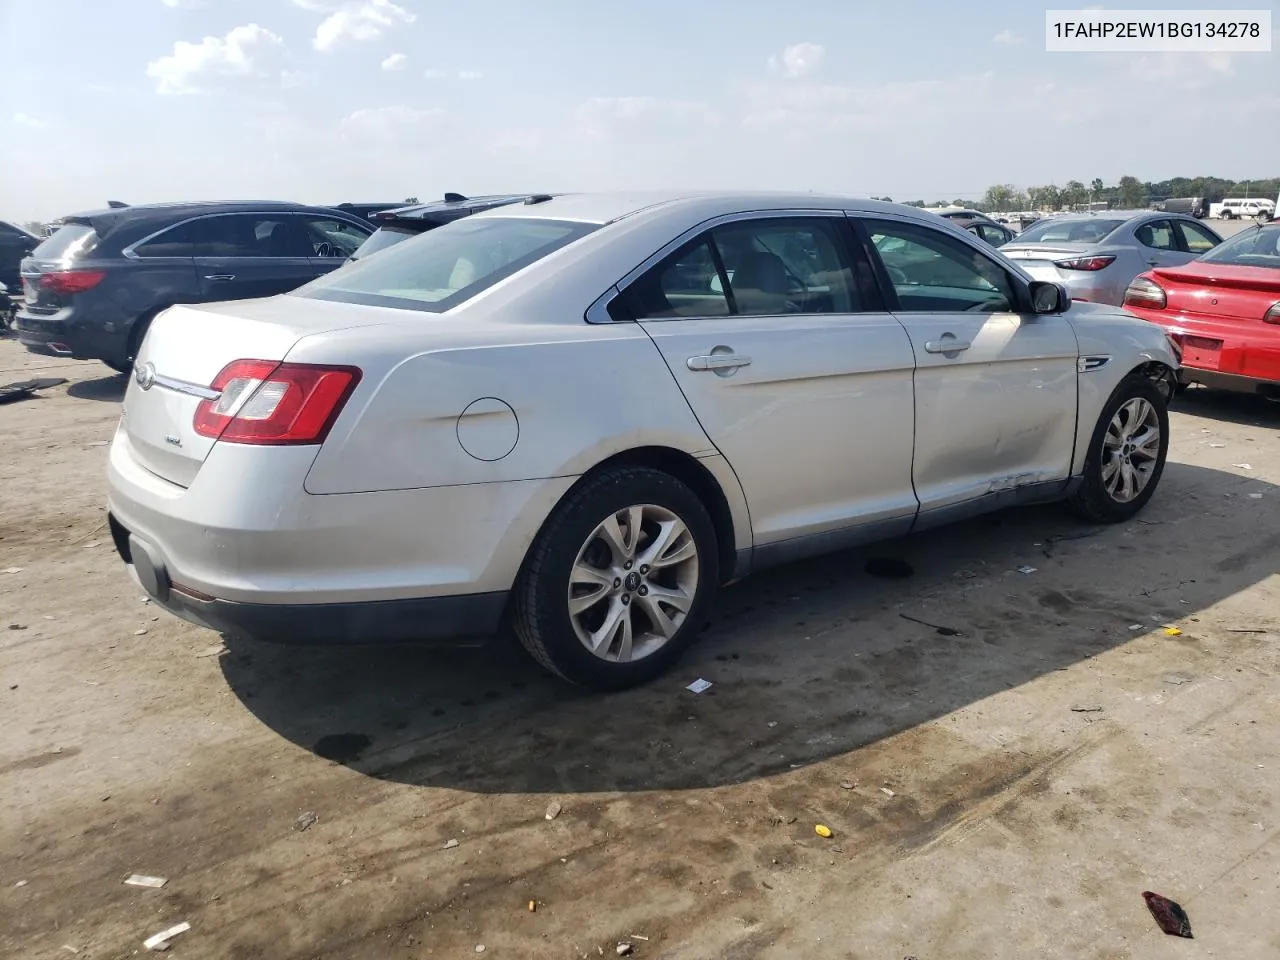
1128,194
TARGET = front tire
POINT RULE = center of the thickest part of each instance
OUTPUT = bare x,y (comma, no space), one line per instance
1126,453
619,580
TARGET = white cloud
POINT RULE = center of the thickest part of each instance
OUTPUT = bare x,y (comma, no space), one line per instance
433,73
470,75
23,120
360,20
601,117
188,4
395,62
1007,36
313,5
798,59
248,51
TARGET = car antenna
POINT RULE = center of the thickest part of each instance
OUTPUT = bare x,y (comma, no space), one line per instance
454,198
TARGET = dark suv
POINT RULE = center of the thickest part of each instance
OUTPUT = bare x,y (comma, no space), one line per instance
91,290
405,222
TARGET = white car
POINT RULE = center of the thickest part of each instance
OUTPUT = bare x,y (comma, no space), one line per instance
580,416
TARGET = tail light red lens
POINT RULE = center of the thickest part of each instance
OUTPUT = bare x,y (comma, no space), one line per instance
1272,315
275,404
1145,292
1086,263
66,282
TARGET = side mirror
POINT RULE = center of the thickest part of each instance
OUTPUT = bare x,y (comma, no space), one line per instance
1048,297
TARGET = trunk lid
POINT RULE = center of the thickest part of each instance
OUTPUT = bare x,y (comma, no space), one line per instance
1219,290
1037,259
185,349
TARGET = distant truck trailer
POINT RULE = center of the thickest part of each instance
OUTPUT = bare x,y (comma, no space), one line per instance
1194,206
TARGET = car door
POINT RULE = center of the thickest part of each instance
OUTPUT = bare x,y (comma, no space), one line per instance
1159,243
331,241
775,332
1195,238
995,384
245,255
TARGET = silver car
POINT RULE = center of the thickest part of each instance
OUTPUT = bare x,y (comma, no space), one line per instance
1096,255
580,416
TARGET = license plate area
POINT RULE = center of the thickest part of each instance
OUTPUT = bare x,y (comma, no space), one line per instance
1201,352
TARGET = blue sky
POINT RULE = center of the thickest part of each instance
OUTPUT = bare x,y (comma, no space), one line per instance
332,100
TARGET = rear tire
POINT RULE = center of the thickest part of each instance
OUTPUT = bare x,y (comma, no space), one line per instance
1127,453
619,580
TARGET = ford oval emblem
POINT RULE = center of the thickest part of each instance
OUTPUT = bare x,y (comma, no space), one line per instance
145,376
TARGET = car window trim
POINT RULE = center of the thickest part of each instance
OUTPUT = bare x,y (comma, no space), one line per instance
1020,281
130,251
599,311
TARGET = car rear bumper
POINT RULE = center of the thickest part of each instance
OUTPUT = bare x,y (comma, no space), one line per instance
458,620
1225,354
246,550
65,334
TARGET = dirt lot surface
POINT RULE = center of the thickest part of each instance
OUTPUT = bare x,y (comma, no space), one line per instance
1006,787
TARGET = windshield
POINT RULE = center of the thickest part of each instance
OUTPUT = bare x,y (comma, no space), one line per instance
447,266
382,238
71,241
1068,231
1252,248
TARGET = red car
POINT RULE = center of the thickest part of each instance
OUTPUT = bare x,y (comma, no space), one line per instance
1222,310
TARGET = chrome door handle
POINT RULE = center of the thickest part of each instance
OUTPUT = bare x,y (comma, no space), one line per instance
221,276
718,361
946,345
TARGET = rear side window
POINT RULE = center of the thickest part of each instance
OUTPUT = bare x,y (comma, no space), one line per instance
179,241
69,242
252,235
448,266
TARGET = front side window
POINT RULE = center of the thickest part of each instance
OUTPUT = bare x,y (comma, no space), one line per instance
443,268
768,267
1158,235
933,272
1197,238
332,238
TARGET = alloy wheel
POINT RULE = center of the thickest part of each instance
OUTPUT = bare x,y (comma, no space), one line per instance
1130,449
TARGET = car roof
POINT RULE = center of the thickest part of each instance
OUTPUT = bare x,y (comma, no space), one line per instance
603,208
158,214
423,210
1122,215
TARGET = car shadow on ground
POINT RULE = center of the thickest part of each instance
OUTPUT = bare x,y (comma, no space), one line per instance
109,389
808,661
1241,408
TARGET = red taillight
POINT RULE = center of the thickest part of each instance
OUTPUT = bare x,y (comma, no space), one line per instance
64,282
1272,315
268,402
1086,263
1145,292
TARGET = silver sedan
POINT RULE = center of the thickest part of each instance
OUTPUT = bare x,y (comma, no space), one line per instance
580,415
1097,255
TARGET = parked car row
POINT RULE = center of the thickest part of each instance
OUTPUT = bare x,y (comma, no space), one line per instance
580,415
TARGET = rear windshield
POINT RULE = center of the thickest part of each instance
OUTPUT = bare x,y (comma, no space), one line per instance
1068,231
382,238
1252,248
446,266
70,241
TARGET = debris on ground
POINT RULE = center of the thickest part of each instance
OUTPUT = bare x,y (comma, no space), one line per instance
305,821
1255,496
887,792
942,631
1170,916
1172,632
1086,708
1177,679
1135,626
140,632
17,626
450,844
160,941
1243,466
624,949
13,570
699,685
24,389
553,810
479,948
823,831
22,883
1025,569
847,784
1229,631
215,650
533,906
142,880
